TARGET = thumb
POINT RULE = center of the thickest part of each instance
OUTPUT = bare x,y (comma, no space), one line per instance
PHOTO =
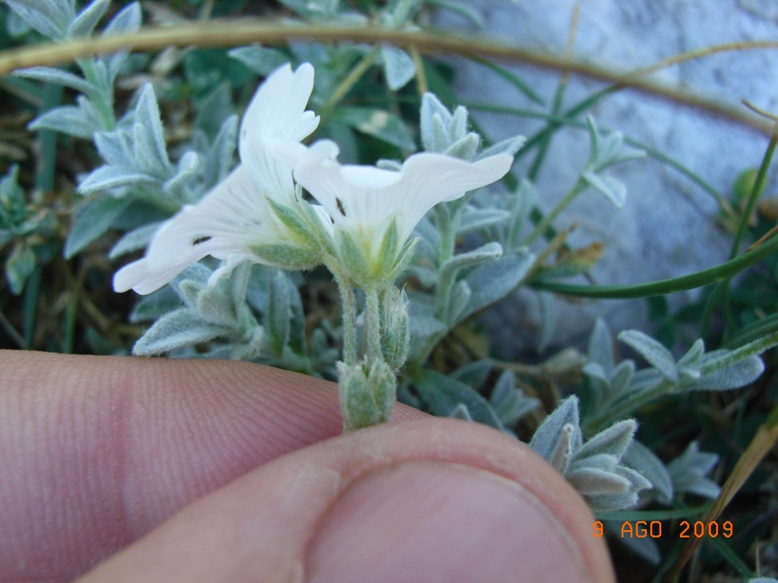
425,500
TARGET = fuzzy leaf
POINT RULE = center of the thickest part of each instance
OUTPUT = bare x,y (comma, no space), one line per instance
67,119
57,77
87,19
176,330
546,437
154,305
464,148
654,352
261,60
493,281
91,219
484,254
596,482
509,402
18,267
109,177
734,376
399,67
613,190
51,19
377,123
613,441
509,146
134,240
443,394
150,147
642,459
278,312
474,219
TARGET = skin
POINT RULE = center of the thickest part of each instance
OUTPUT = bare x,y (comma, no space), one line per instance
128,469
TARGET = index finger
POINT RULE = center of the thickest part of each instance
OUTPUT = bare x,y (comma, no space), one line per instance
97,451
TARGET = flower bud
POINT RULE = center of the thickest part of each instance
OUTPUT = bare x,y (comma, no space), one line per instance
395,331
366,398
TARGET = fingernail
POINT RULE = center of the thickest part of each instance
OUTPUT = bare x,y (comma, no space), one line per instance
436,521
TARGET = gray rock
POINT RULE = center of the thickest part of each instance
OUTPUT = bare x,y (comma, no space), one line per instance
668,226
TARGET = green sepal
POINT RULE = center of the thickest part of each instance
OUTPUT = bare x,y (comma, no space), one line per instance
286,256
395,328
366,398
291,219
404,259
388,250
352,259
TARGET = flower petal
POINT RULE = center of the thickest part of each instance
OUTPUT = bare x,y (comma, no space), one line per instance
366,198
226,222
277,112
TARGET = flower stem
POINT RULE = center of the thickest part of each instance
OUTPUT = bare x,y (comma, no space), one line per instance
445,224
345,86
373,324
349,307
543,225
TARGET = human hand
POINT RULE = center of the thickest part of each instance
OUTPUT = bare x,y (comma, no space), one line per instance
125,469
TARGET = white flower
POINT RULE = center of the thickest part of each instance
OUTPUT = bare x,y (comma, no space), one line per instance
364,202
236,220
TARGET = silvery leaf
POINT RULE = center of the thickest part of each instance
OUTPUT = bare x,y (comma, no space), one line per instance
150,147
493,281
91,219
509,402
613,190
613,441
261,60
187,167
439,140
176,330
621,377
464,148
473,373
457,129
462,9
443,394
642,459
51,18
509,146
154,305
596,482
688,471
127,20
654,352
484,254
474,219
134,240
109,177
547,319
399,67
67,119
560,457
461,412
431,107
87,19
734,376
546,437
57,77
460,296
277,313
600,348
215,307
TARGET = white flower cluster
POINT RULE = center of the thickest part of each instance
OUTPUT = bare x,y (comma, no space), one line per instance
359,228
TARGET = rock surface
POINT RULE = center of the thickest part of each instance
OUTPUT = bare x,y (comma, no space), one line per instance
668,225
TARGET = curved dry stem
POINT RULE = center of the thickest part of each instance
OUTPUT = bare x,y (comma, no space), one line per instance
229,33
